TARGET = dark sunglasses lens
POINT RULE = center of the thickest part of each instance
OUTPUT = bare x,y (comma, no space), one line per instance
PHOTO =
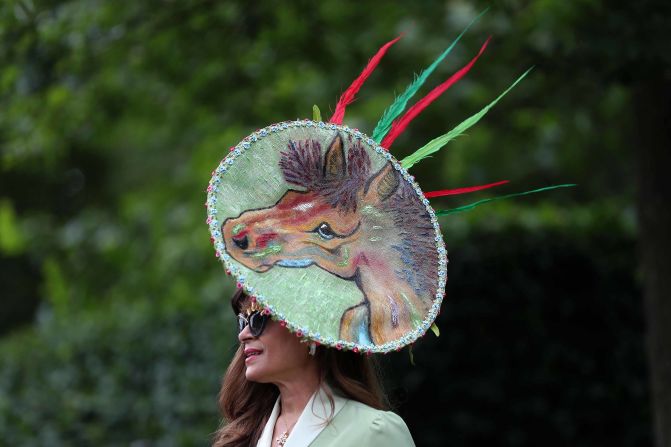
241,323
257,323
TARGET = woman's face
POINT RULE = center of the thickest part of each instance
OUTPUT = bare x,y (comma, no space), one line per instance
274,356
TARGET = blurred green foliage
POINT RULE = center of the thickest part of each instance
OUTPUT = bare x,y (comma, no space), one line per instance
113,115
125,374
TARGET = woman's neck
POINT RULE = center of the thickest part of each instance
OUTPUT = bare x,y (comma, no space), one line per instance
295,393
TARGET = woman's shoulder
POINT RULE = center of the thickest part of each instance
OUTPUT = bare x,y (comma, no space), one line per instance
359,423
363,412
375,420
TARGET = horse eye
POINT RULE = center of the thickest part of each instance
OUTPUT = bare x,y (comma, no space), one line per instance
325,231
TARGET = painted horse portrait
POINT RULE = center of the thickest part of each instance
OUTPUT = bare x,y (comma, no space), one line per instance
362,226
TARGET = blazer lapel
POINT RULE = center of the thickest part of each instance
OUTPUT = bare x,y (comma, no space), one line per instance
266,439
312,420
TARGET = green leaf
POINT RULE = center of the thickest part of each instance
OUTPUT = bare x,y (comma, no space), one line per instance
316,114
11,238
56,288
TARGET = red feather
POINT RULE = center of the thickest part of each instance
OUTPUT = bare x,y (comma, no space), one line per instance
454,192
400,124
348,96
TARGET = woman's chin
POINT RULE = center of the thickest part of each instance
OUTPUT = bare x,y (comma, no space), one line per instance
254,374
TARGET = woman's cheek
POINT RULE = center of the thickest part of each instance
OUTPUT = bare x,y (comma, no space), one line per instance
261,368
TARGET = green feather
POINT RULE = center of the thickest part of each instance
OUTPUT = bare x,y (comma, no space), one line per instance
435,329
316,114
481,202
397,107
437,143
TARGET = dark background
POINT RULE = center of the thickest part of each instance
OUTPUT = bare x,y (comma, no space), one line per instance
115,325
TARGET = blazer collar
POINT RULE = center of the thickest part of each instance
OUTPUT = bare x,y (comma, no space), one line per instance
310,423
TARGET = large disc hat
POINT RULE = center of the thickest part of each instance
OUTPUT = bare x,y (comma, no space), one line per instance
328,232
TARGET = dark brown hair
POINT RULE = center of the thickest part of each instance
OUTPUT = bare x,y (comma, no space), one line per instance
246,406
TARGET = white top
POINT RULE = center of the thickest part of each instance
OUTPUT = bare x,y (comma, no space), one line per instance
310,423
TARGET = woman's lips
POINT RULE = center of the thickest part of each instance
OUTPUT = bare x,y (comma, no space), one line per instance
251,354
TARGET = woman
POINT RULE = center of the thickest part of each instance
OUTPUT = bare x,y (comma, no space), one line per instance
277,393
331,236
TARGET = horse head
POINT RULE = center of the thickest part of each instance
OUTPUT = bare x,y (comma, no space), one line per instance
321,225
361,226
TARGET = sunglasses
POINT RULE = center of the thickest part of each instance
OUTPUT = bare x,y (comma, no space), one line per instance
256,321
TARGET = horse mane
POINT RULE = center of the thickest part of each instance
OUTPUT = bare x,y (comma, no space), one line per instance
302,165
417,249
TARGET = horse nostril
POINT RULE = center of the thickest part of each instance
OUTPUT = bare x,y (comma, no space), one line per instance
242,243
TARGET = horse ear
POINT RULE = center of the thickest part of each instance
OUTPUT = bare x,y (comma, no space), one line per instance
381,185
334,159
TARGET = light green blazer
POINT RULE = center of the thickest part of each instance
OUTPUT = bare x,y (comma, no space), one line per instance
360,425
353,424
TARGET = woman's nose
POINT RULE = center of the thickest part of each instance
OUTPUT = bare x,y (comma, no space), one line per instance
245,334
